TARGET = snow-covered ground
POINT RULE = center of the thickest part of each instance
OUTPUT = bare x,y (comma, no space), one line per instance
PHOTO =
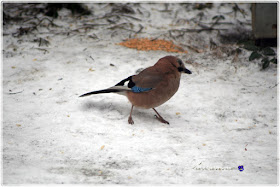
224,115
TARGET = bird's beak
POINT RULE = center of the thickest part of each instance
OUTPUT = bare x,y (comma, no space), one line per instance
187,71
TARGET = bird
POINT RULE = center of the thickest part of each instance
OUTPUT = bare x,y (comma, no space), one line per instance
151,87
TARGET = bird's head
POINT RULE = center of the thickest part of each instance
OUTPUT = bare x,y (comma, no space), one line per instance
181,67
174,63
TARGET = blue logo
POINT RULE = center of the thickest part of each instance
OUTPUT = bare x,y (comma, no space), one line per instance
241,168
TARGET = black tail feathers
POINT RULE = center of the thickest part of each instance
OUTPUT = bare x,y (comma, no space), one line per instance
101,91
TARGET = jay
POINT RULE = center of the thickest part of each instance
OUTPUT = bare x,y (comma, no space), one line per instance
152,87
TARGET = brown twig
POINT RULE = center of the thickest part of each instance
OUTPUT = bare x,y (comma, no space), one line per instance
140,30
236,8
195,30
274,86
45,51
13,93
195,49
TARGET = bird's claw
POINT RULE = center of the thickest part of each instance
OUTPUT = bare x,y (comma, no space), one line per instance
162,120
130,120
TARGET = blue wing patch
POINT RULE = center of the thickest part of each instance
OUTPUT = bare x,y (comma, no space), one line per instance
138,89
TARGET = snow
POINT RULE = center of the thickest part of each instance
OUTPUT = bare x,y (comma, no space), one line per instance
224,115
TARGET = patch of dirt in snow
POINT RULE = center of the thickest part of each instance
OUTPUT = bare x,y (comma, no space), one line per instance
223,116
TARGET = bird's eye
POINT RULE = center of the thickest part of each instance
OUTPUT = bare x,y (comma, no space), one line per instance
179,61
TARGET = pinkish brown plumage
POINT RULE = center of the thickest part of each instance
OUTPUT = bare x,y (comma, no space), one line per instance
151,87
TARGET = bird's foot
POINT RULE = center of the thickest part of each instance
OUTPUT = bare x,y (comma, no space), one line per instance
162,120
130,120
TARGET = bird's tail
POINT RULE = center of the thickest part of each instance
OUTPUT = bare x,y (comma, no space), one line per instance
115,89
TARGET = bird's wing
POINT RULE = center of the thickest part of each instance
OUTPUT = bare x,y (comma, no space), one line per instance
144,81
148,78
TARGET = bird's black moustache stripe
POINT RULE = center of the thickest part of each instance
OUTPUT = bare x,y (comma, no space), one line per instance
180,69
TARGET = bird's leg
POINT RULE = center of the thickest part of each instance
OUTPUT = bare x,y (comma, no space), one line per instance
130,120
160,118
